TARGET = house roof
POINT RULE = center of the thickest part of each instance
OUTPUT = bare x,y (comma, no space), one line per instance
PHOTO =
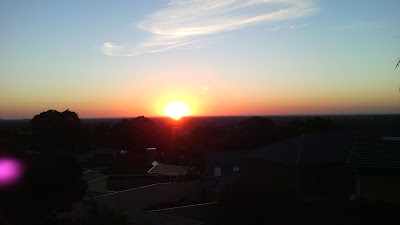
310,149
375,154
100,151
198,212
170,170
91,176
98,169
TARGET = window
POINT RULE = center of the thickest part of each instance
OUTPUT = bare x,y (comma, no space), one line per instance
217,171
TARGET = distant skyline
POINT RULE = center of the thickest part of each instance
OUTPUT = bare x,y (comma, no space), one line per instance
225,57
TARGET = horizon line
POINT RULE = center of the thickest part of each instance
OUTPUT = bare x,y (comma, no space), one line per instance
245,115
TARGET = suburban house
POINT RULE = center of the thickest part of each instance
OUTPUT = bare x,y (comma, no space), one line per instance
150,196
376,165
130,172
96,182
168,173
311,165
221,163
213,187
100,156
136,170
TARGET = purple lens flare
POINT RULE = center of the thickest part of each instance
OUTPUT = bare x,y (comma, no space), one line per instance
10,171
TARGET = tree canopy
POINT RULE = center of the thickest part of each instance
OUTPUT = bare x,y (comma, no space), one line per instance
53,128
136,133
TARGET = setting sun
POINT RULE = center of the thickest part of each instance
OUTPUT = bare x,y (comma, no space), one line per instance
176,110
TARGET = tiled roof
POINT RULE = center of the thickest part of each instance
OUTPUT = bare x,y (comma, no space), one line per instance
170,170
375,153
309,149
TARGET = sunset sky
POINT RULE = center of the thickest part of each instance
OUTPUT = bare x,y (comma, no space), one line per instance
220,57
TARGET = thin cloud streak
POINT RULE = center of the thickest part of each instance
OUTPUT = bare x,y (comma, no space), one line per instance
109,48
184,22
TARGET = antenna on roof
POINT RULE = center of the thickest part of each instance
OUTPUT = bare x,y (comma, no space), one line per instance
398,62
397,65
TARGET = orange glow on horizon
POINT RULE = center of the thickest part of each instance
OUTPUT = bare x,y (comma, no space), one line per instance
177,98
176,110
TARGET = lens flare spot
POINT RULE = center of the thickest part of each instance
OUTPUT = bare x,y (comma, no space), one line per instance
10,171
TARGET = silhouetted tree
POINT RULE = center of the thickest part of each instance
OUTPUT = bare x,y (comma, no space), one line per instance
136,133
298,124
207,136
100,133
52,128
254,131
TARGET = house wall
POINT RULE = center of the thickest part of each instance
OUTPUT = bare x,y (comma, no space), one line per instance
331,181
380,186
226,161
149,196
98,185
275,172
119,183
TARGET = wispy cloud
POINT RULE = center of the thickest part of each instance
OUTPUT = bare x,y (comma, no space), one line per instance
110,49
298,26
185,22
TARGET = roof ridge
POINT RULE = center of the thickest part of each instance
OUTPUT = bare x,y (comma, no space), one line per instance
92,171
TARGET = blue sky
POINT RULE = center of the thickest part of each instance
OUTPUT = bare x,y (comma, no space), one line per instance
129,58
